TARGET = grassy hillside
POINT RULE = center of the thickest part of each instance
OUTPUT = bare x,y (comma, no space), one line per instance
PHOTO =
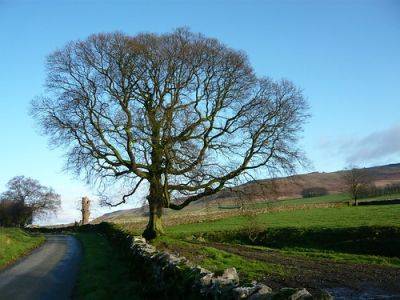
273,193
15,243
291,187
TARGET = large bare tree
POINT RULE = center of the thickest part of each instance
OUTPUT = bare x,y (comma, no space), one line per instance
179,111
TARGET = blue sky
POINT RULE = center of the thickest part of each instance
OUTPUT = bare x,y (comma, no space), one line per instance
345,55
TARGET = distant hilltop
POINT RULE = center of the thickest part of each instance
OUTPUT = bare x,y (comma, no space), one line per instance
277,189
292,186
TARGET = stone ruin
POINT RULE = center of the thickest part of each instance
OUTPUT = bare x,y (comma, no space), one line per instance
85,210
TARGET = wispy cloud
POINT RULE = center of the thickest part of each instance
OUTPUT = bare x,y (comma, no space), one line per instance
380,146
375,146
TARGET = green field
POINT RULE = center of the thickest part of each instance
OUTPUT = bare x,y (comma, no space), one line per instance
379,215
103,273
293,243
363,235
15,243
217,261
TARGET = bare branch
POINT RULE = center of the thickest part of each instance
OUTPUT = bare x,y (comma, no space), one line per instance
181,111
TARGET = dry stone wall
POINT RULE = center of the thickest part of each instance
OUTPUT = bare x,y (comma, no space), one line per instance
168,276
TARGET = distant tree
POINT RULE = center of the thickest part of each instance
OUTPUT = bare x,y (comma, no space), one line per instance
25,200
181,112
374,191
314,192
357,181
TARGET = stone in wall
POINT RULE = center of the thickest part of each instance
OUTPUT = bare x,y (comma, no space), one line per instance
206,283
174,277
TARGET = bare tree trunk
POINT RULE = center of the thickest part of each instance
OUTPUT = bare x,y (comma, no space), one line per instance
154,227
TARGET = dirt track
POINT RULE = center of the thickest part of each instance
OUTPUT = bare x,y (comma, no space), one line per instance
357,281
49,272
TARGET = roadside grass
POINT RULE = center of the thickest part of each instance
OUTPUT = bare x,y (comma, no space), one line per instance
14,243
341,217
104,274
217,260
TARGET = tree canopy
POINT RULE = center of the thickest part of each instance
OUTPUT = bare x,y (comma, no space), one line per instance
26,199
179,111
358,181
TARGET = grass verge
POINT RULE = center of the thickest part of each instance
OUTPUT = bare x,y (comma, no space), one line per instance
16,243
104,274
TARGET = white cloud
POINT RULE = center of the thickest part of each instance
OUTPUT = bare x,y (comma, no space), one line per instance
378,147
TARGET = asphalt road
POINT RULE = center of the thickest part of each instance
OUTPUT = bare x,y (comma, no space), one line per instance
49,272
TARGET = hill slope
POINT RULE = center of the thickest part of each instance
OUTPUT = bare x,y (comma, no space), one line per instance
274,190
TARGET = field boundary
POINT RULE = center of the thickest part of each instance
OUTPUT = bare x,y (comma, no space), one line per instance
366,240
174,277
192,218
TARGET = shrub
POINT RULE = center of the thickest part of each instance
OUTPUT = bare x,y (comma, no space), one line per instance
369,240
373,191
314,192
14,213
26,199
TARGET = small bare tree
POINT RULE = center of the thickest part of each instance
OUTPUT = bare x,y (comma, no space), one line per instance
356,180
248,200
27,199
181,112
